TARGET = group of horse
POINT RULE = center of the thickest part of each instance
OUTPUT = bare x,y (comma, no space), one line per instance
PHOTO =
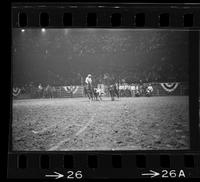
113,90
94,93
46,92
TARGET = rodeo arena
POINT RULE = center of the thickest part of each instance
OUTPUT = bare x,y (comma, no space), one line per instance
76,98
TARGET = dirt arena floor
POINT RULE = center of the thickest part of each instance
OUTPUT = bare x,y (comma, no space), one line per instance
144,123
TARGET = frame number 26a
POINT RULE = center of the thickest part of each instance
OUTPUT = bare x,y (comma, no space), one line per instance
165,174
172,174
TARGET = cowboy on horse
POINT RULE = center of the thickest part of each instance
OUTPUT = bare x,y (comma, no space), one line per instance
40,91
88,80
89,89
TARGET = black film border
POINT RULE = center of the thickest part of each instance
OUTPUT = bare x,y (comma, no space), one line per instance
115,164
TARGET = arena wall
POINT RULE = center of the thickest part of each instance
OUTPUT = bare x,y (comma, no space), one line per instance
78,91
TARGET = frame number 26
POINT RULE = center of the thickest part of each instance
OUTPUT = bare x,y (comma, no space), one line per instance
74,175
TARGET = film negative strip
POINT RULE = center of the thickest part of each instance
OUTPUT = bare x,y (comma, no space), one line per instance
102,91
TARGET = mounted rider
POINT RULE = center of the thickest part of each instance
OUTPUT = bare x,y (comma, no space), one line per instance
88,81
88,87
40,90
40,86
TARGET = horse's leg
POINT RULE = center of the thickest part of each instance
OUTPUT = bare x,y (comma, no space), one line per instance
88,95
94,96
91,95
97,97
100,99
118,94
90,98
113,95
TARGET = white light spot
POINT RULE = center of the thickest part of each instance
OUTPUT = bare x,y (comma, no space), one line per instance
22,30
43,30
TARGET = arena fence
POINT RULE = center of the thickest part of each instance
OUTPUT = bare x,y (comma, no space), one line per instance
159,89
177,88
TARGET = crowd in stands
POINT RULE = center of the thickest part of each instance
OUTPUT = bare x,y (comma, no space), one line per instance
139,74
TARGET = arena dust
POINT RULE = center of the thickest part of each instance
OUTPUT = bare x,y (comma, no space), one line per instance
135,123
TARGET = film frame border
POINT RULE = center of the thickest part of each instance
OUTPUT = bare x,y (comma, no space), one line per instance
124,15
120,163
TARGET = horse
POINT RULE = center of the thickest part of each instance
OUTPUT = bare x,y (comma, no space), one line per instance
49,92
40,92
89,91
98,93
113,91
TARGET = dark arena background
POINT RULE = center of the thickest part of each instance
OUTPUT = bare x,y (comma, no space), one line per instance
140,78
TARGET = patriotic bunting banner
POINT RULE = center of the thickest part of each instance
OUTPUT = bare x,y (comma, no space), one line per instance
169,87
16,91
70,89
